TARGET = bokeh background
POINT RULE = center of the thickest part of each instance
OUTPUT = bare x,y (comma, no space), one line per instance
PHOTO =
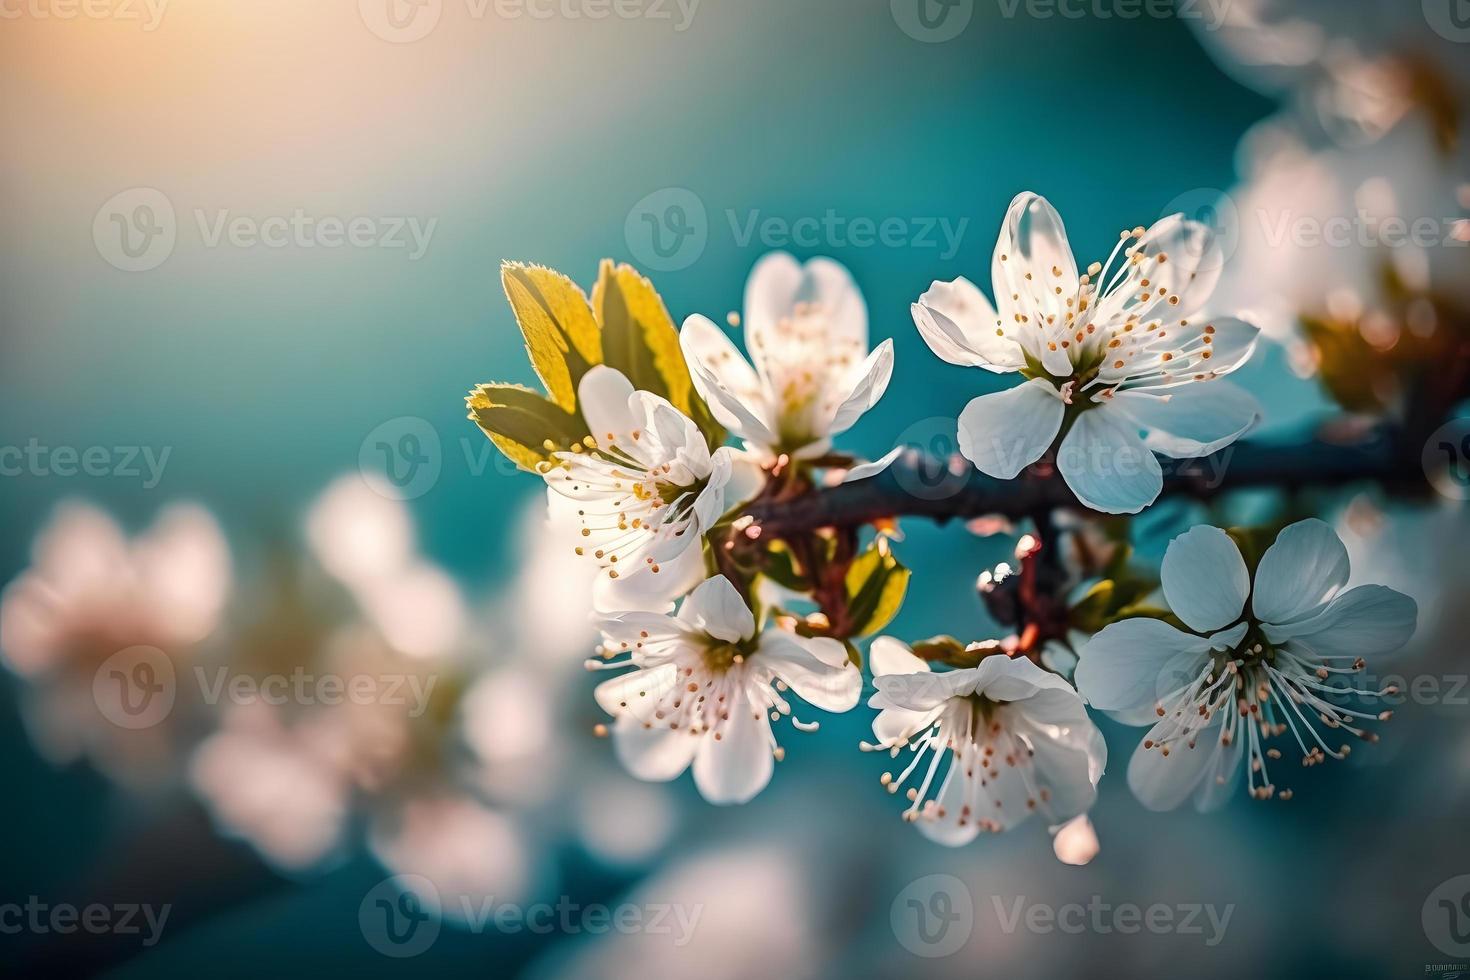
276,537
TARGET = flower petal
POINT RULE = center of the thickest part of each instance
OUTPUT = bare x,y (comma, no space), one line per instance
1107,465
1005,432
603,397
866,471
1121,665
636,693
961,326
1304,568
778,283
1032,260
1367,620
656,753
890,656
1191,420
736,766
1162,782
1205,579
808,668
869,383
726,382
717,609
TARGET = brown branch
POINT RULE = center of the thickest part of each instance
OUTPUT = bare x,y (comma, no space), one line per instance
918,485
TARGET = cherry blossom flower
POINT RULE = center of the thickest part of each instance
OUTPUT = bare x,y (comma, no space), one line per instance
1119,349
644,496
813,376
1019,741
705,687
1267,654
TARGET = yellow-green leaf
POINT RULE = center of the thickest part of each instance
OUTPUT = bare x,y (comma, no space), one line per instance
638,335
561,333
522,424
876,586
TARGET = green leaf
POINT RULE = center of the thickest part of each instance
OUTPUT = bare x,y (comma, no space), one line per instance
876,586
561,333
639,339
524,425
780,567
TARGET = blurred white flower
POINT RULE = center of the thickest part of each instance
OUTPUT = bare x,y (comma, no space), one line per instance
702,684
1244,674
263,784
358,531
807,329
1075,842
89,594
623,822
1106,354
646,496
733,914
475,857
1020,740
1319,230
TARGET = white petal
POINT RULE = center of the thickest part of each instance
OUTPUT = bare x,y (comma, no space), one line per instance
1075,842
747,478
1121,665
726,382
921,690
870,382
1304,568
736,766
603,398
1371,619
890,656
1222,772
1005,432
717,609
649,590
1107,465
778,283
1003,678
866,471
1163,782
807,667
1191,420
960,326
1033,240
1205,579
957,790
637,692
895,726
656,754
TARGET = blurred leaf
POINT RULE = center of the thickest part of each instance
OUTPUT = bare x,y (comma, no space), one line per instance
940,649
640,340
561,335
521,422
876,586
780,567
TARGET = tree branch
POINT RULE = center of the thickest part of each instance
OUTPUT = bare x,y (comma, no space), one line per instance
919,485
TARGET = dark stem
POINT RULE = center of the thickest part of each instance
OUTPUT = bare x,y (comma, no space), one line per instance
918,485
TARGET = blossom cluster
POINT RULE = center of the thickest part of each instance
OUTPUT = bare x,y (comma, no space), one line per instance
718,632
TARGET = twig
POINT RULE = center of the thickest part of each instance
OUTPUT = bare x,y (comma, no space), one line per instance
918,485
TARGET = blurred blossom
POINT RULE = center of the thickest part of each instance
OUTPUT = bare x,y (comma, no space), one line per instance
265,785
1076,842
90,594
551,597
358,533
622,821
751,910
508,719
1324,232
419,610
1353,69
470,853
